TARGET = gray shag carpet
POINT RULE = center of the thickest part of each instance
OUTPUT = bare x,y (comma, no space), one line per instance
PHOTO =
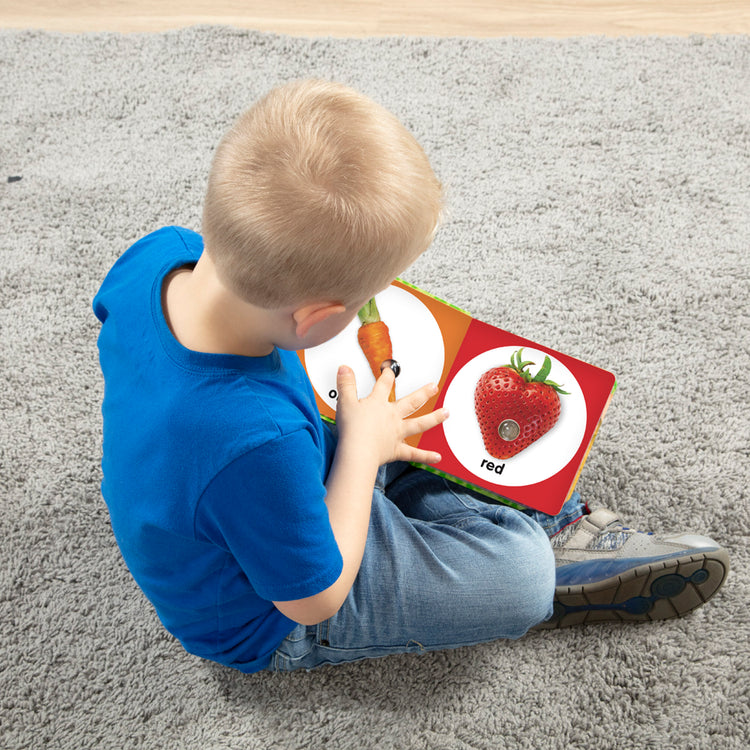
598,201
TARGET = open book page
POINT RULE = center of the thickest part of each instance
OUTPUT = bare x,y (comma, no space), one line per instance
523,417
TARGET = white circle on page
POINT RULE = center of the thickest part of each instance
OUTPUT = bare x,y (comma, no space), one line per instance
417,347
539,461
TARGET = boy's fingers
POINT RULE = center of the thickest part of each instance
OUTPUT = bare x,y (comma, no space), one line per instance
420,457
384,383
411,403
346,383
427,421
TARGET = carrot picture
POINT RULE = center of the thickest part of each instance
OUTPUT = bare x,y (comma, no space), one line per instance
375,341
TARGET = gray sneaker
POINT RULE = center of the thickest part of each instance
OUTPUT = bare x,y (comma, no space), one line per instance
608,572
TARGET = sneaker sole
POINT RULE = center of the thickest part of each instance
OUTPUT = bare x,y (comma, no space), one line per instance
658,590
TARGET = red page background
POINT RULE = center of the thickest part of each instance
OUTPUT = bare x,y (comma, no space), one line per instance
547,495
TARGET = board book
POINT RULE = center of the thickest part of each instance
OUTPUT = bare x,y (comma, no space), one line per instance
522,419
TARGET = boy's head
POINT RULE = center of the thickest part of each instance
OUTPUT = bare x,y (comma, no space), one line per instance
317,193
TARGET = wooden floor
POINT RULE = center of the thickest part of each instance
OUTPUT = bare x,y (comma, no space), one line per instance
478,18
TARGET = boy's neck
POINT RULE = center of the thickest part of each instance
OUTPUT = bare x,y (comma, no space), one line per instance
204,317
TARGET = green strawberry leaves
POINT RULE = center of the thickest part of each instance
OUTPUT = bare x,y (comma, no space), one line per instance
519,365
541,376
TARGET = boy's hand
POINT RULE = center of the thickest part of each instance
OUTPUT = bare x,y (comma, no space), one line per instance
378,427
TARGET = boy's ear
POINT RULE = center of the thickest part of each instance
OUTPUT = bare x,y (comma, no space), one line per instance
310,315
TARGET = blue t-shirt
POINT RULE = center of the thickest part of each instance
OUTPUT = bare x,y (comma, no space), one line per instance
213,469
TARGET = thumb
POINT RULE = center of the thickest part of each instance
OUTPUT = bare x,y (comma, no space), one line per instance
346,384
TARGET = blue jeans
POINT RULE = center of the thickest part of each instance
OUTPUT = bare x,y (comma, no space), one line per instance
442,568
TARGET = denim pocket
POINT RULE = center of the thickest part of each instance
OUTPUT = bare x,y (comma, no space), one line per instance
294,649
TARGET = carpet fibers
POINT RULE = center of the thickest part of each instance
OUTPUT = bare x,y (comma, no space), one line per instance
598,201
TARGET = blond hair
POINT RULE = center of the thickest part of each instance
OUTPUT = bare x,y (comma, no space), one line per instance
317,193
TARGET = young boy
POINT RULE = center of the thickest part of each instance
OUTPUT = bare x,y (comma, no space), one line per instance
266,540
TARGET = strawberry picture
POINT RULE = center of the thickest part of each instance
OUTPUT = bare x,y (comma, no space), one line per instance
515,408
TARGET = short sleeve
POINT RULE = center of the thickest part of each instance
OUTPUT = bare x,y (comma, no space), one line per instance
267,508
